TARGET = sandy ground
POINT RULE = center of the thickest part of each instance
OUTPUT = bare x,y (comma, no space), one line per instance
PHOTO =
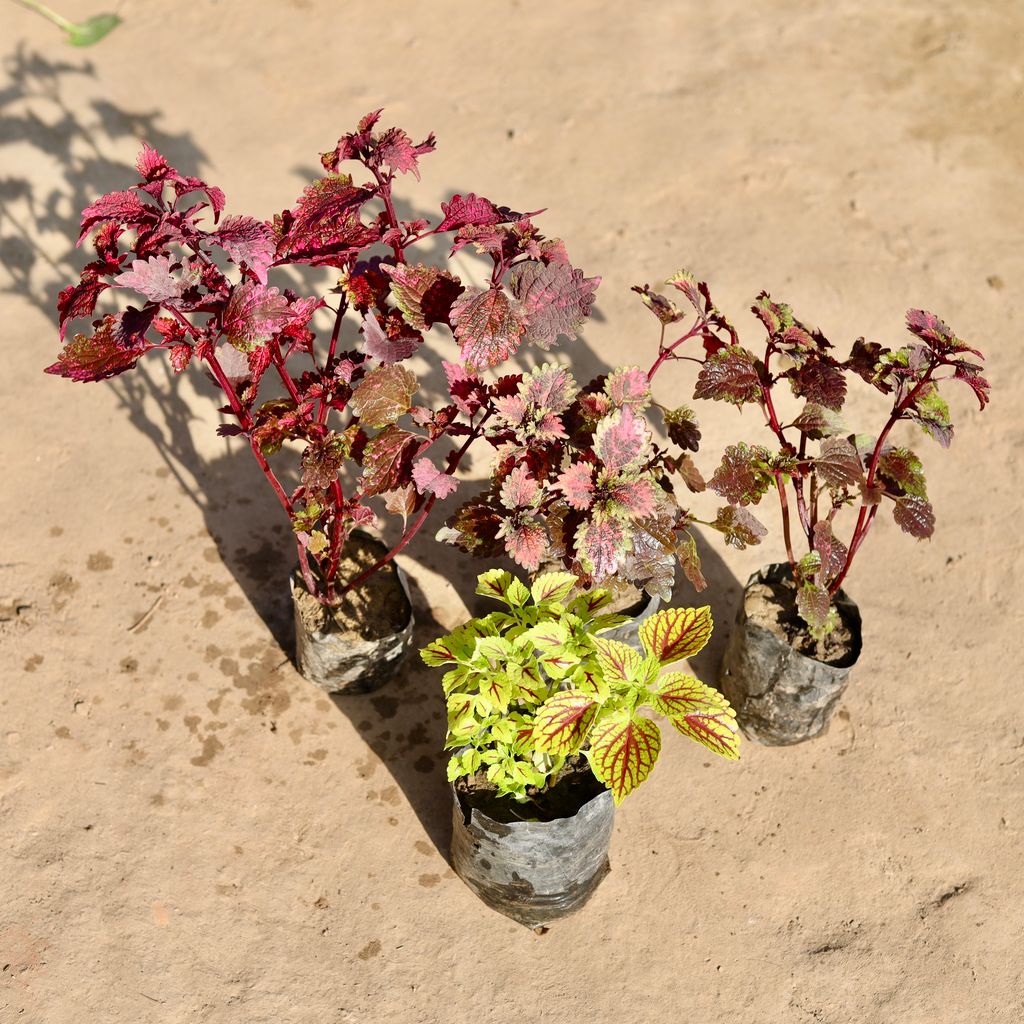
189,832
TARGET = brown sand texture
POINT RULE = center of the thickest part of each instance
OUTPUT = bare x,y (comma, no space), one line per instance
189,832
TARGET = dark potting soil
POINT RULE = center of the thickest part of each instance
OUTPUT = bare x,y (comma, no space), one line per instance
376,609
574,786
772,605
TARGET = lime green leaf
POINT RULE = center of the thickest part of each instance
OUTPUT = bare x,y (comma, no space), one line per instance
618,661
517,594
494,648
553,586
623,749
586,604
494,583
676,633
92,30
446,650
547,636
700,712
496,691
562,723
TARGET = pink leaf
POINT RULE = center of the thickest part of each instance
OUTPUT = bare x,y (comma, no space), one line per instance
525,544
622,440
519,490
577,485
511,408
396,149
600,545
254,314
94,358
79,300
556,298
629,385
635,496
151,165
461,211
487,326
430,480
423,293
249,241
377,344
549,387
152,278
124,208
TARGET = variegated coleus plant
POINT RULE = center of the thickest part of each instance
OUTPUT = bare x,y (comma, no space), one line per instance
579,480
356,411
815,460
535,683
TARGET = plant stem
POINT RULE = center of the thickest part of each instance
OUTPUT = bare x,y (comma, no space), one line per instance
665,353
384,184
48,14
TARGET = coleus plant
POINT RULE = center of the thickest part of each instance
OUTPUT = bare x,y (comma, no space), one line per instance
815,460
356,411
533,684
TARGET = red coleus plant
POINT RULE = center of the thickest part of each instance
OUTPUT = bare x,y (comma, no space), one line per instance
205,285
815,461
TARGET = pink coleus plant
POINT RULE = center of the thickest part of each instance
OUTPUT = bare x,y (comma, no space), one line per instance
356,411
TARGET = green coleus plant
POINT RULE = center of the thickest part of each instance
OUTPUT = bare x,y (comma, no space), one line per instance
534,683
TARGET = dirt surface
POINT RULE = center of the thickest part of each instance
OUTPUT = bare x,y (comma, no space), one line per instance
189,832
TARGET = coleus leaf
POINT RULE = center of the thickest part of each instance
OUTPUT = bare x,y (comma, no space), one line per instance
153,279
487,326
325,227
623,750
430,480
681,426
563,722
548,387
699,712
555,297
253,315
79,300
902,473
322,459
820,380
692,476
831,551
600,544
94,357
631,498
622,440
461,211
629,385
937,335
815,608
248,242
525,543
689,561
676,633
776,316
383,395
738,526
817,422
387,460
424,294
553,586
397,150
378,344
519,489
474,528
914,515
663,308
577,485
743,477
932,414
729,375
619,663
838,464
124,208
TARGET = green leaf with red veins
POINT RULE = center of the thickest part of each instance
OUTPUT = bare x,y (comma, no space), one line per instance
620,663
902,473
738,526
563,722
832,551
676,633
387,460
430,480
577,485
632,498
729,375
817,422
600,545
622,440
253,315
549,387
629,385
556,299
383,395
622,751
424,294
915,516
519,489
496,690
838,465
95,357
322,459
494,583
681,426
553,586
776,316
743,477
815,608
525,543
820,380
487,326
698,712
528,685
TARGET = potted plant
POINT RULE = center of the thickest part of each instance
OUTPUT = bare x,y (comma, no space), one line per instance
798,634
369,437
547,727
